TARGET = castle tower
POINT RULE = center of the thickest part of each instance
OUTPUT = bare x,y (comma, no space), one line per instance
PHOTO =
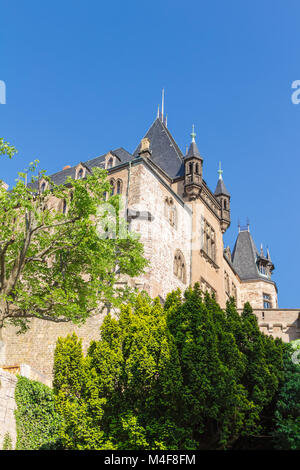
193,170
255,271
223,196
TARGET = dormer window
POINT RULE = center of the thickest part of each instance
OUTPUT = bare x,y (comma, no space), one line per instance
80,174
43,187
110,163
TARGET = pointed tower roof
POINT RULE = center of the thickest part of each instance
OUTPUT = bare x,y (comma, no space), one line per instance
165,151
244,257
221,188
193,149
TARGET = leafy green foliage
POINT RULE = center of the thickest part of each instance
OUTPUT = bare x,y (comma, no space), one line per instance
179,377
6,148
7,442
287,414
55,264
37,421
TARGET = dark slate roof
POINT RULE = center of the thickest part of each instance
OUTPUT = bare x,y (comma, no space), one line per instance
193,151
61,176
165,152
244,257
221,188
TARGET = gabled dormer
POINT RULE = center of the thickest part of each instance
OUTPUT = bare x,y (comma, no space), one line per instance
81,171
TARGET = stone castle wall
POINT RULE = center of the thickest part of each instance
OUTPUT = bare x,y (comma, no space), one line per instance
36,347
7,406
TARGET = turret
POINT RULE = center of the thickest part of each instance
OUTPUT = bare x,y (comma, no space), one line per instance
223,196
193,168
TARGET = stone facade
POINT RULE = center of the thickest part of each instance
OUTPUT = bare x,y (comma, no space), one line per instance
7,407
181,223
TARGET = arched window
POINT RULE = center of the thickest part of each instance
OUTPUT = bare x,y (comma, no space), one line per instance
43,187
197,168
170,211
64,207
80,174
179,266
112,187
110,162
119,187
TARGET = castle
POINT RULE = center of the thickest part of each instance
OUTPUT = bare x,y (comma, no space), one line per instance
181,222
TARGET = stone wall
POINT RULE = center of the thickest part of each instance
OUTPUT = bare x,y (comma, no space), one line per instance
36,347
7,406
279,323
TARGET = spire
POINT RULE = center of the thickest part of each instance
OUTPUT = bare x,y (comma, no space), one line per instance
221,188
193,135
261,250
193,149
268,255
220,171
162,104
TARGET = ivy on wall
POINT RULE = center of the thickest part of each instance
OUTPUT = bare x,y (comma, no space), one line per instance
37,422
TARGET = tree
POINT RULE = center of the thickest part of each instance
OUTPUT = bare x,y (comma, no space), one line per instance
55,264
125,393
287,413
178,377
215,406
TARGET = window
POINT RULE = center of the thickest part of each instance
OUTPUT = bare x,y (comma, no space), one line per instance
179,266
209,241
80,174
43,187
112,187
110,162
64,207
119,187
170,211
233,291
206,287
227,284
267,301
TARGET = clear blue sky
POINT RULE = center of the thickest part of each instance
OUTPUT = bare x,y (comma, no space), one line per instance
84,77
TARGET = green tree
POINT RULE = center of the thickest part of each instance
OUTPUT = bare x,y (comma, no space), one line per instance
37,421
178,377
55,262
287,414
125,393
215,407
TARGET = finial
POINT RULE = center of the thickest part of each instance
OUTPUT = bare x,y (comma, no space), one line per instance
193,135
261,250
162,104
220,171
166,121
157,112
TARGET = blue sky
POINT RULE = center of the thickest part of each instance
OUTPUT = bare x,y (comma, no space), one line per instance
84,77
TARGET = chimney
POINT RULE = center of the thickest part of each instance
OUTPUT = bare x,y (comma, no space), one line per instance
66,167
145,148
